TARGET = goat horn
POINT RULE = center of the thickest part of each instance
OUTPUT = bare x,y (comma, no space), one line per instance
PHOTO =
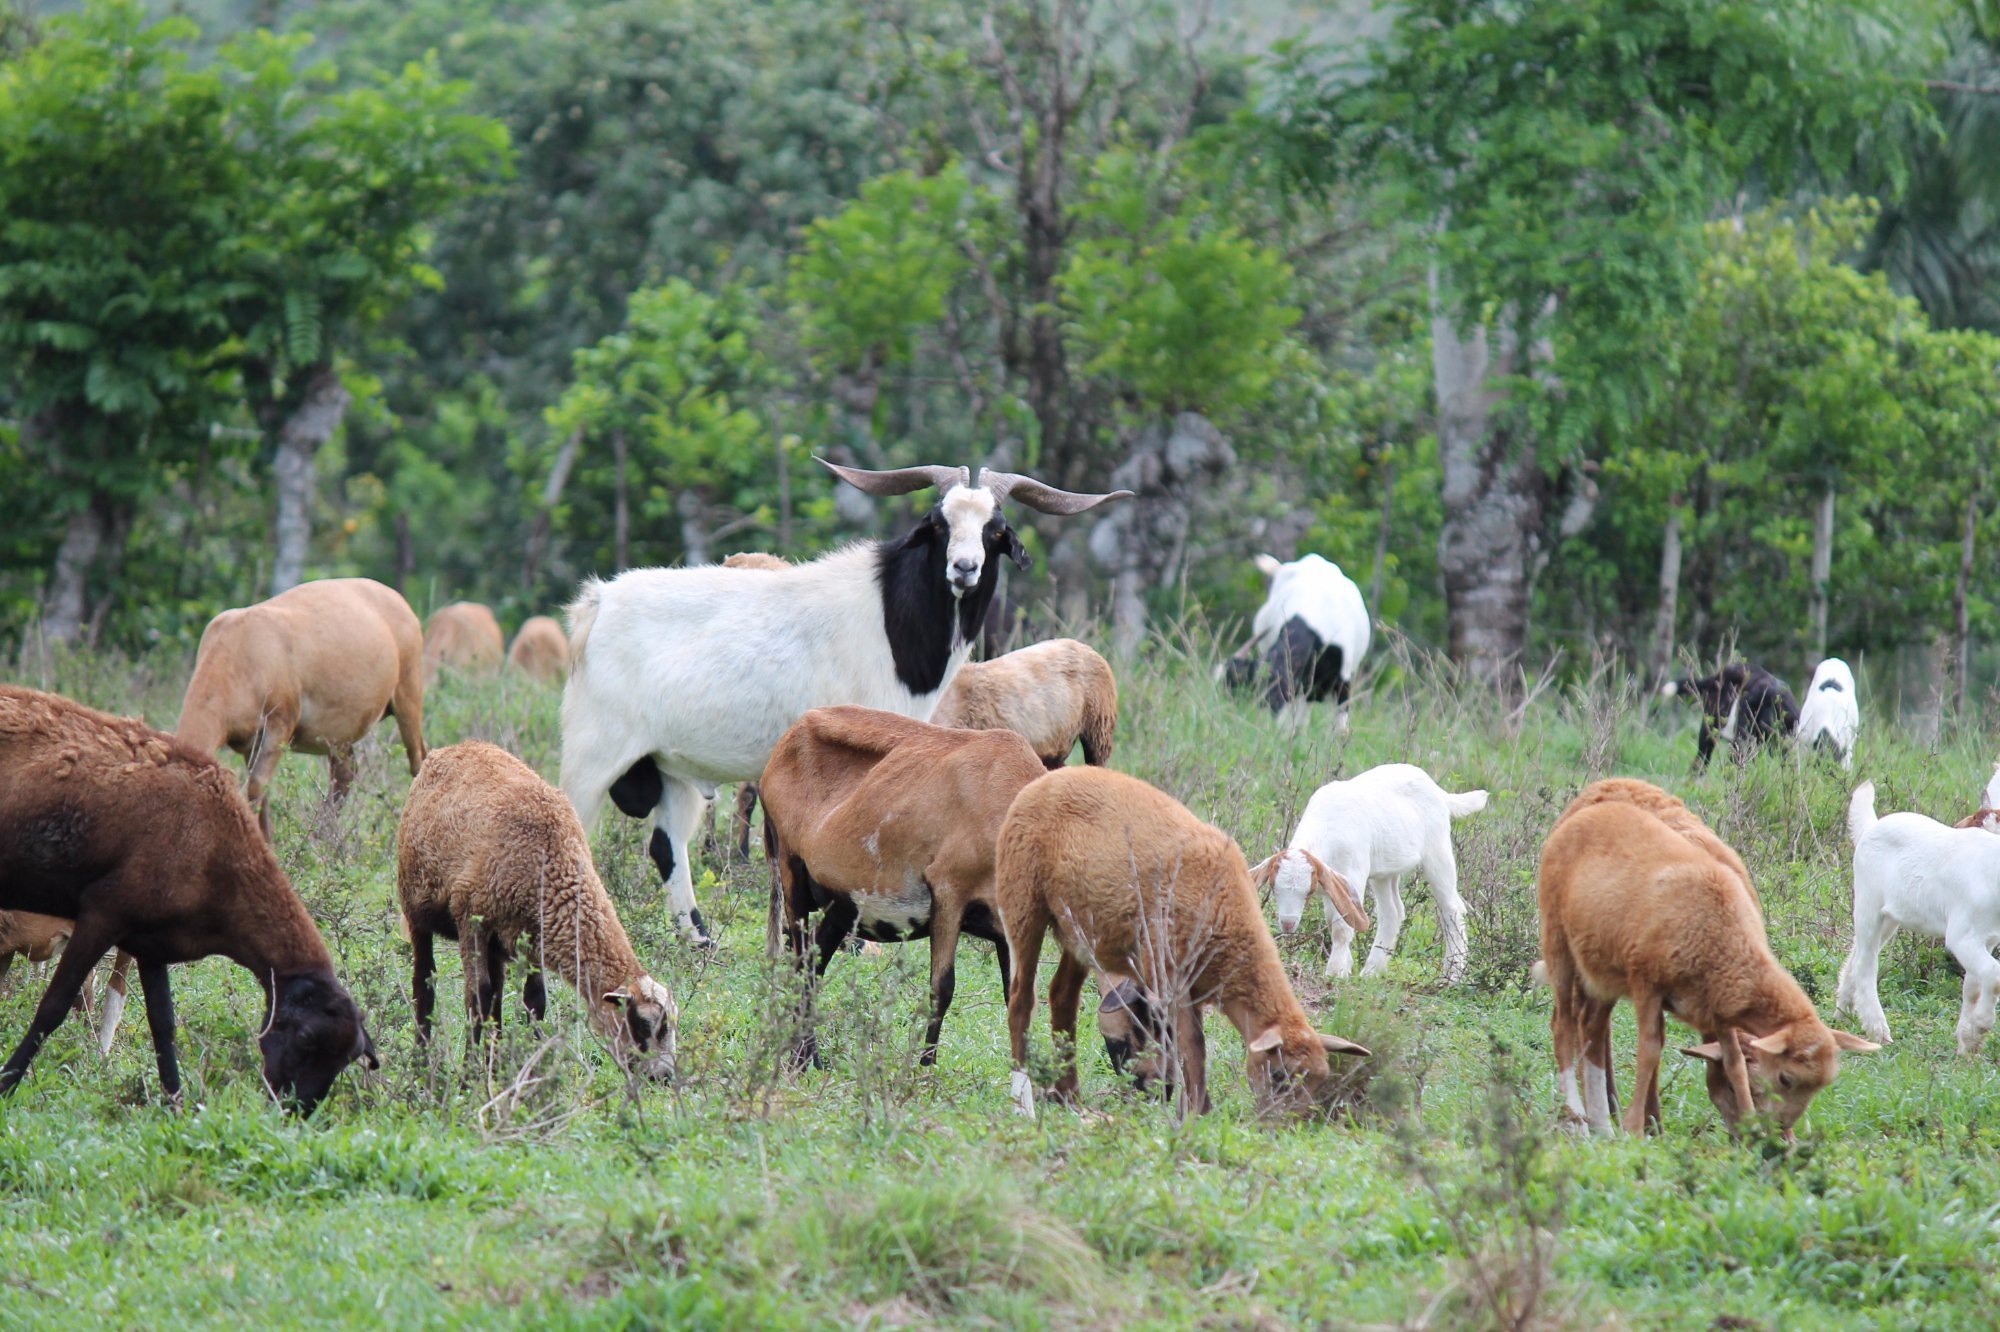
898,480
1041,496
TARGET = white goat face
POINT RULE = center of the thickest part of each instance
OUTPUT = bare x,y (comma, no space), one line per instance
647,1021
1291,887
967,513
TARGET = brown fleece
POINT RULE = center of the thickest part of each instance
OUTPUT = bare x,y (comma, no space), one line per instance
755,559
1053,693
463,638
541,650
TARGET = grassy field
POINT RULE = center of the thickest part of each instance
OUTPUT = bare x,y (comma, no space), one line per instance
540,1188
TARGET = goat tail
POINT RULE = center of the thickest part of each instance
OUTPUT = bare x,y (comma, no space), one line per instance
1100,725
1861,812
1538,975
1462,803
579,616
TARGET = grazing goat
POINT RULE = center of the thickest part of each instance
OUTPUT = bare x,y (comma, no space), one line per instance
313,669
146,844
1914,873
1054,694
1637,908
463,638
683,678
1374,829
1831,717
1987,816
1137,886
491,855
1743,704
1311,633
540,650
755,559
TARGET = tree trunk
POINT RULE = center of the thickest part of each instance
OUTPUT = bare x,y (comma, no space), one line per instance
1495,497
1670,594
694,528
1382,530
66,603
308,428
1961,603
406,551
117,535
1822,571
621,512
1171,465
785,499
552,492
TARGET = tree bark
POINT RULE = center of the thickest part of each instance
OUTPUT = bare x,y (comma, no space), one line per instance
1171,465
694,528
1670,594
1495,498
305,431
66,603
1822,571
621,510
406,552
855,394
1961,603
552,492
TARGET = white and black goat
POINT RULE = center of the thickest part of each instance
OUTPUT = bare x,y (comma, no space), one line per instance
1831,715
683,678
1743,704
1309,636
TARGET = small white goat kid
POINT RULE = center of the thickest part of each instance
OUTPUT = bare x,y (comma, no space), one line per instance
1915,873
1376,828
1831,715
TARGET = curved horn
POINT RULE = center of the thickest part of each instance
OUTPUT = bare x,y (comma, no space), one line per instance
898,480
1038,495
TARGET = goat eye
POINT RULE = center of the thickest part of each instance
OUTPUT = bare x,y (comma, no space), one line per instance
1785,1081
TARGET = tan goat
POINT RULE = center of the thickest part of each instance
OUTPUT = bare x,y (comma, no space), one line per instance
1635,906
1055,694
312,669
1135,884
756,559
540,650
463,638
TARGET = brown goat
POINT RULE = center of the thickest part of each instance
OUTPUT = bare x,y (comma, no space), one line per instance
1135,884
313,669
541,650
1634,906
148,846
1055,694
464,638
755,559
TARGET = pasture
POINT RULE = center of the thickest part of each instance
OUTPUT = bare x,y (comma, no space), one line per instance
535,1185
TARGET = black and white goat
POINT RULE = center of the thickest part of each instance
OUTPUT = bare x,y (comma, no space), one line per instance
1743,704
1309,636
1831,716
683,678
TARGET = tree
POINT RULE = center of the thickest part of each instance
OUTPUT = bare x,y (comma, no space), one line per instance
1562,158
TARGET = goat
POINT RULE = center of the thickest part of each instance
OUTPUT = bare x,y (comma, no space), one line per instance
147,845
540,650
1374,828
1743,704
755,559
491,855
1831,717
1136,886
314,669
683,678
1311,632
1987,816
1635,908
464,638
1915,873
1055,694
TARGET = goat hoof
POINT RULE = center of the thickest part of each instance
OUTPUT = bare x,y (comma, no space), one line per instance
1022,1091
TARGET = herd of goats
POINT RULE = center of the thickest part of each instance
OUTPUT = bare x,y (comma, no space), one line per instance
911,794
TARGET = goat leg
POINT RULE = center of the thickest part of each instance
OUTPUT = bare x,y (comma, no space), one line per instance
160,1021
87,946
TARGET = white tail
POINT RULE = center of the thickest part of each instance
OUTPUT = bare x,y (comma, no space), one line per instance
1991,800
1861,811
1462,803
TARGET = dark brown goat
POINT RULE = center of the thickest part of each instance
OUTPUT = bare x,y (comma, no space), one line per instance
149,847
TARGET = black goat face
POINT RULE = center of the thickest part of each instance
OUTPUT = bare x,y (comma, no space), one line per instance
315,1032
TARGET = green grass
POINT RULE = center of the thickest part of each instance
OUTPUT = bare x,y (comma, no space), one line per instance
874,1192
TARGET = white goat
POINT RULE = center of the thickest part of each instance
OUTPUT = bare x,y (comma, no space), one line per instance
683,678
1375,828
1311,633
1831,714
1915,873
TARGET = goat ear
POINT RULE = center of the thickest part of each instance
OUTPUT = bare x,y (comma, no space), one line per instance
1339,892
1709,1050
1265,870
364,1050
1018,552
1270,1040
1122,996
1267,565
1775,1043
1848,1041
621,995
1335,1045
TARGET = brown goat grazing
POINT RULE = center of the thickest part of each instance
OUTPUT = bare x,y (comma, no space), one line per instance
313,669
1053,693
1634,906
491,855
148,846
1669,810
755,559
541,650
464,638
1136,885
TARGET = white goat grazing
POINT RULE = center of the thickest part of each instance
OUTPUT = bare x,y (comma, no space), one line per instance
1915,873
683,678
1375,828
1311,633
1831,715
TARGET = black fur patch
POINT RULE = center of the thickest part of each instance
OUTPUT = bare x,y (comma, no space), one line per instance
661,849
638,792
1834,685
1302,666
920,617
642,1030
